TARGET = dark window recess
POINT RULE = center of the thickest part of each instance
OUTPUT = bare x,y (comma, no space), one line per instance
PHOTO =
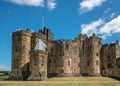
109,54
42,60
119,64
97,54
35,60
49,60
88,55
79,54
88,63
54,60
67,46
109,65
62,53
51,49
23,47
19,39
17,48
97,62
68,62
79,49
62,71
61,62
90,48
49,65
46,49
17,72
78,64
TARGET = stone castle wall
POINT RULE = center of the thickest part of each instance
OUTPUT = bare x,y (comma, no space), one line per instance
82,56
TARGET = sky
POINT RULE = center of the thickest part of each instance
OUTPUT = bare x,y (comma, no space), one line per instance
65,18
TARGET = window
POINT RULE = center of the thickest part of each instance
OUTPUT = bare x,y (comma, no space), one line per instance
109,54
42,60
109,65
35,60
97,54
17,48
97,62
23,47
49,60
17,72
54,60
78,64
79,54
68,62
119,64
62,53
51,49
67,45
62,71
88,63
61,62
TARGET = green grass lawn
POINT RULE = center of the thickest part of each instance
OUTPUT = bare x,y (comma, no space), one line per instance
65,81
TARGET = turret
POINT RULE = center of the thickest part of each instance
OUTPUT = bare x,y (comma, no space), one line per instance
21,46
96,44
47,33
91,56
38,61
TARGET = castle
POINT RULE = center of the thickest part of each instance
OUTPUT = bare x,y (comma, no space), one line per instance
36,56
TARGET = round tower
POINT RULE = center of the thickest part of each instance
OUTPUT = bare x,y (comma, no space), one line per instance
95,56
21,46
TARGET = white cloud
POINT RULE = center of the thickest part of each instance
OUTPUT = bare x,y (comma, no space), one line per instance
111,27
88,5
91,28
51,4
113,15
28,2
101,28
4,67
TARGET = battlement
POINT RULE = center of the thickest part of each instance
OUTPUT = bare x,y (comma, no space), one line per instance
26,32
49,35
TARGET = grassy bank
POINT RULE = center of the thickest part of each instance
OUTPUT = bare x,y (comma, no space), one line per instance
65,81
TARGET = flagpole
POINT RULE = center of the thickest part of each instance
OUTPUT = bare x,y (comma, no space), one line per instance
42,21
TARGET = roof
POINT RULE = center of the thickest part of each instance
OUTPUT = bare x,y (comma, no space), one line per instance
40,45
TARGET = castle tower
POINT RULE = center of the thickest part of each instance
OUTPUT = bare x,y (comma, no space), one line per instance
95,57
91,56
21,46
38,62
48,35
80,40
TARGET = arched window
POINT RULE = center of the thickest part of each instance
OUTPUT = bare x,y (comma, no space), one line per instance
68,62
88,63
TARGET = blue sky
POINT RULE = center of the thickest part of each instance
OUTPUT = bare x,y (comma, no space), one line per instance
65,18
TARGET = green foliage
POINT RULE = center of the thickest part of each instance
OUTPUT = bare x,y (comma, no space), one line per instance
5,73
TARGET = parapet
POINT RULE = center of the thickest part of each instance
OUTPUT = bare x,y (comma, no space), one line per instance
26,32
